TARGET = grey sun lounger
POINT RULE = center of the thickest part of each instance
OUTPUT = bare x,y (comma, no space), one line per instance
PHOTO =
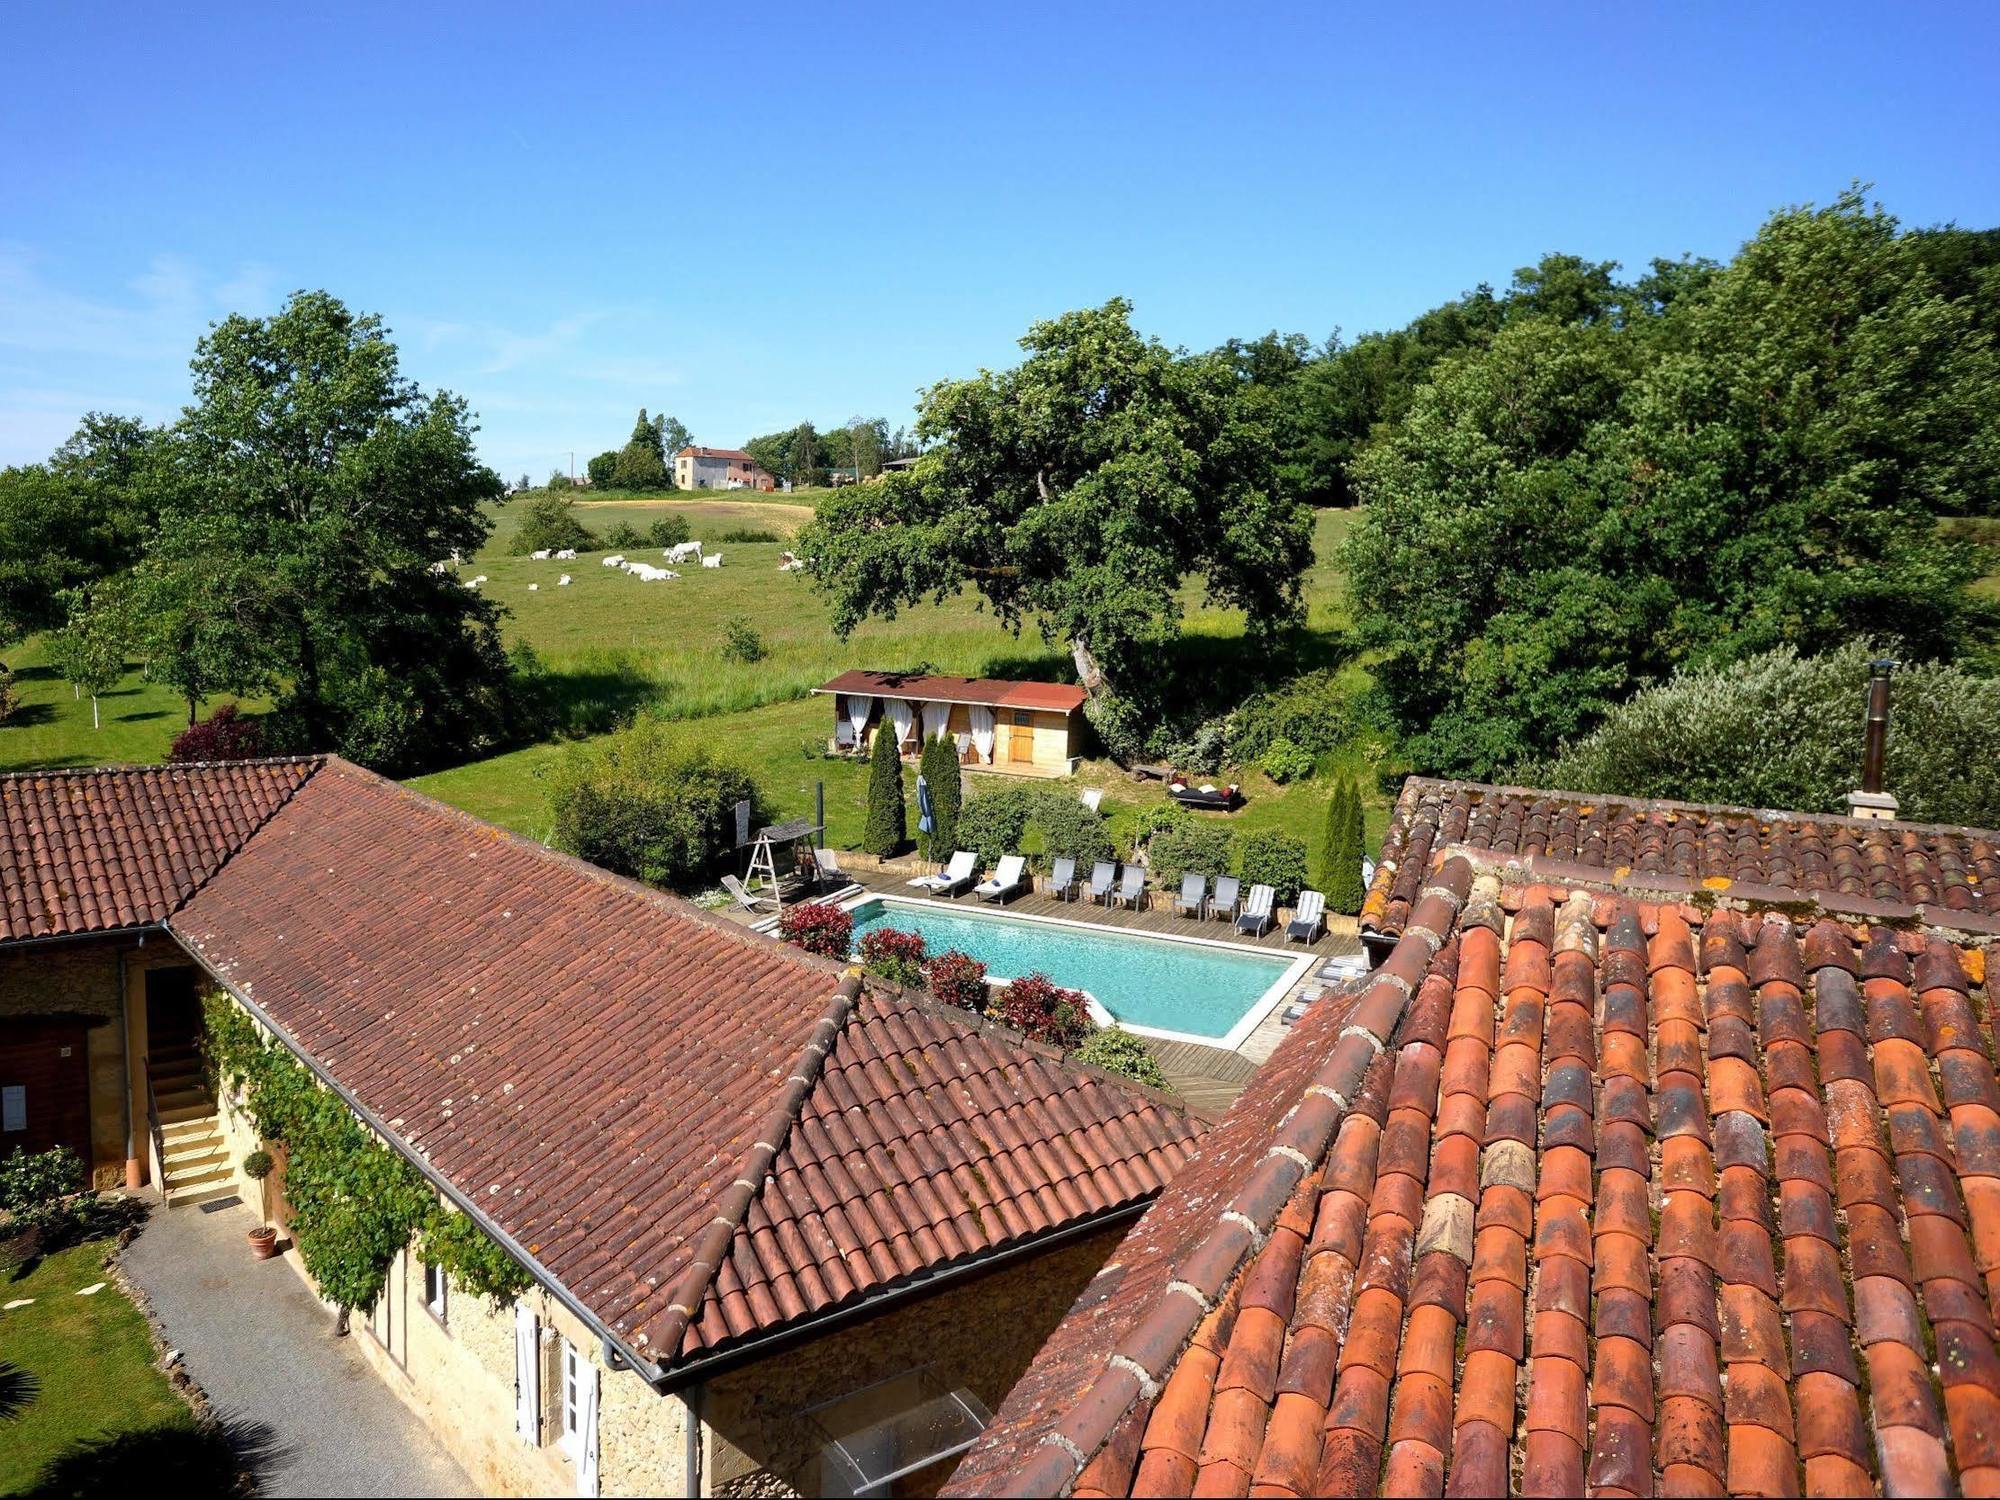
1132,888
1010,879
1256,918
743,898
1062,880
1309,920
1193,899
1227,900
958,876
1103,876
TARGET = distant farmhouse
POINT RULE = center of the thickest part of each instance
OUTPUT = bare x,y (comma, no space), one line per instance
719,469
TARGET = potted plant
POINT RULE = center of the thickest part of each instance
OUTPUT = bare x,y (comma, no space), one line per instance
263,1239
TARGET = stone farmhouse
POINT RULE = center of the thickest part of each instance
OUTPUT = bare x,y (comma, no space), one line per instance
788,1232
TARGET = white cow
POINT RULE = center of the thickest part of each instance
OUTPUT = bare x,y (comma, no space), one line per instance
682,552
567,554
541,556
534,588
712,560
440,568
614,559
563,582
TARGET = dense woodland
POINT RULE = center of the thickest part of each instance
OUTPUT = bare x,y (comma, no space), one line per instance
1565,493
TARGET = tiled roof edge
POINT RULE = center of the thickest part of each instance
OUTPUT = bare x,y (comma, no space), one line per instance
1728,895
1147,1354
684,1302
1668,804
159,767
314,764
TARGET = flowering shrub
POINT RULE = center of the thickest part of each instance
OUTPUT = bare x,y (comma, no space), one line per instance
1038,1008
1118,1051
957,979
223,735
818,927
897,956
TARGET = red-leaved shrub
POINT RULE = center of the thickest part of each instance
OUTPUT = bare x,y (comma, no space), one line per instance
1039,1008
896,956
957,979
223,735
818,927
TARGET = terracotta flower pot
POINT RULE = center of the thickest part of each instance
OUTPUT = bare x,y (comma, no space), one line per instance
263,1242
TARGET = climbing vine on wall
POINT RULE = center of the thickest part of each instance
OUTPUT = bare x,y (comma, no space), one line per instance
355,1203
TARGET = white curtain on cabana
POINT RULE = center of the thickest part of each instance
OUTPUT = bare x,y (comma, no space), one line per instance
902,714
982,732
936,717
859,707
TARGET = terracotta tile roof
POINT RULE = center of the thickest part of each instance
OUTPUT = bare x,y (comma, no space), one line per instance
735,455
93,851
694,1131
928,1140
1917,864
1641,1198
997,692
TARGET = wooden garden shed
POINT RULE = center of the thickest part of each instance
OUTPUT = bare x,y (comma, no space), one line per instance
1013,728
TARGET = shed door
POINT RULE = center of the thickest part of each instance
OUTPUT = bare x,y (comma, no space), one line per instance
1021,738
44,1087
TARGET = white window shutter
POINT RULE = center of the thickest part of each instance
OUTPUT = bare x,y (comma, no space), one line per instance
527,1375
586,1421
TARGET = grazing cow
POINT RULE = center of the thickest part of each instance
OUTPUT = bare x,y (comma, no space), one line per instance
563,582
712,560
541,556
682,552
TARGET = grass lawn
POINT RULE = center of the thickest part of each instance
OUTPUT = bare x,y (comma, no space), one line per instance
81,1367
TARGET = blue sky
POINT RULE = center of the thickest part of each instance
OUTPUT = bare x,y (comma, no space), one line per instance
752,215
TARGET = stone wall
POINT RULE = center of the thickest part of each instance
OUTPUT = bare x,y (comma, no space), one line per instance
80,979
978,1334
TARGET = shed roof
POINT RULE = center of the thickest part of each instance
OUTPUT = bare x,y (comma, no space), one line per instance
991,692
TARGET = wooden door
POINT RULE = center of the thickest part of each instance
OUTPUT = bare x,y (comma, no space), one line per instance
1021,739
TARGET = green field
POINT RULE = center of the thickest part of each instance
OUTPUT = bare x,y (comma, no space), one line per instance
620,645
79,1370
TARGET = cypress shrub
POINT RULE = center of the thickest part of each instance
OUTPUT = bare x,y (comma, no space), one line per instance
940,770
1344,891
886,828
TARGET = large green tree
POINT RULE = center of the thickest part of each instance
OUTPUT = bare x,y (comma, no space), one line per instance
1080,490
1571,510
311,486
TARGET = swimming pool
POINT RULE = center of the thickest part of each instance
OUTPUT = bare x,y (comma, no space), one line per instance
1189,988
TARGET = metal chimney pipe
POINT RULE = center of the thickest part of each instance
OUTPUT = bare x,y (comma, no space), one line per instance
1875,747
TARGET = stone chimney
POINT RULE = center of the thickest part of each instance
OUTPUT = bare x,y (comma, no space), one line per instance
1871,800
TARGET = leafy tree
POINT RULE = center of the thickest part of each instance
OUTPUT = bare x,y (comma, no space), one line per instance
803,466
885,832
1784,730
550,522
772,453
672,435
651,802
224,735
559,481
602,469
639,467
89,652
1274,858
1081,489
311,486
1572,511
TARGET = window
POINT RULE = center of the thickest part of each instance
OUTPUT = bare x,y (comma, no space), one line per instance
436,1289
14,1107
893,1430
574,1373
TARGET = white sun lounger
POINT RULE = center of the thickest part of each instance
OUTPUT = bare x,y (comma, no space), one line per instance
957,876
1009,879
1309,920
1256,918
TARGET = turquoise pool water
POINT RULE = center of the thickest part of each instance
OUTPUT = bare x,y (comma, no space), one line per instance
1164,985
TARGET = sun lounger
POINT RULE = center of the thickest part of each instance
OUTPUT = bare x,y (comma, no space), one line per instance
1193,898
957,876
1309,920
1091,797
1132,888
743,898
1062,880
1208,798
1103,875
1010,879
1256,918
1227,900
828,865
